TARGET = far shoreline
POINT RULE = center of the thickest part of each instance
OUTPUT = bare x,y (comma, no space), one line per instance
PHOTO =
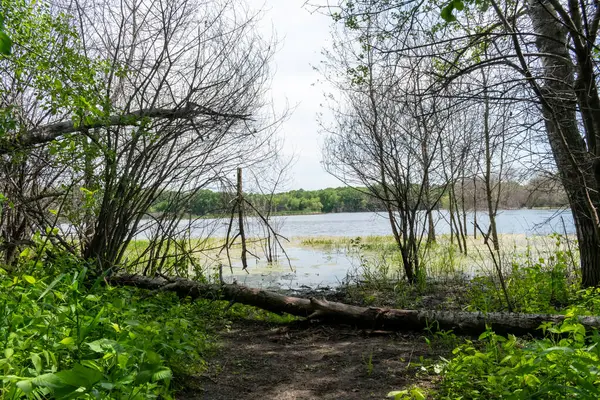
296,213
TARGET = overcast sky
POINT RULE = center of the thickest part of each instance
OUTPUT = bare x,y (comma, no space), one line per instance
302,36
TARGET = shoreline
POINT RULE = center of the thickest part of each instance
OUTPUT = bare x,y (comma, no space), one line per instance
295,214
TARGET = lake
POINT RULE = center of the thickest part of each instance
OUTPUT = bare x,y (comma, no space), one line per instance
528,222
321,268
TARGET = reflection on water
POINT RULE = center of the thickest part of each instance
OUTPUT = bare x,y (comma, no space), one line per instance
309,268
319,268
316,268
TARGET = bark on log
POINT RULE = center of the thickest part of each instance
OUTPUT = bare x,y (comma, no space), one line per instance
370,317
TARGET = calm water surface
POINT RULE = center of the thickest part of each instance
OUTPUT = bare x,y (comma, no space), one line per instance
529,222
322,268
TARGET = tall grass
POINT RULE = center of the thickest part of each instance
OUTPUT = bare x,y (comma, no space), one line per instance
541,273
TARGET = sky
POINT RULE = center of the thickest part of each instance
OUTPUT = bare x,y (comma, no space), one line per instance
302,37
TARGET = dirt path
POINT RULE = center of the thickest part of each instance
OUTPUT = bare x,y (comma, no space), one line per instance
258,361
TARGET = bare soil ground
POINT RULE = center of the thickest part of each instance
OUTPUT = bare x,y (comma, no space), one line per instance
259,361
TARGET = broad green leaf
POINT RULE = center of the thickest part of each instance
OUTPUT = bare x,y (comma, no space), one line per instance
5,43
48,380
143,376
102,345
446,13
36,360
417,394
398,394
152,358
29,279
67,341
163,374
458,5
25,386
80,376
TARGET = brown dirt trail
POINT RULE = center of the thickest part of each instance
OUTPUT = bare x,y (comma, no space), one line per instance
258,361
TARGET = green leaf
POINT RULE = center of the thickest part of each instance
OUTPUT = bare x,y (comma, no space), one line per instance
446,13
153,358
48,380
36,360
29,279
161,375
80,376
398,394
102,345
458,5
5,44
51,286
143,377
25,386
417,394
67,341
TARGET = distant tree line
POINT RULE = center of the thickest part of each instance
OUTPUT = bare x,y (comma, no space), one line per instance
538,192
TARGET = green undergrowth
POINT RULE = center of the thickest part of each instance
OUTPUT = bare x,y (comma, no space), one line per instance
561,365
540,276
65,339
564,364
534,283
66,335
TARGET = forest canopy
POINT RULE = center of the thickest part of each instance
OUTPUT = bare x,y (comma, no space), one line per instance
538,193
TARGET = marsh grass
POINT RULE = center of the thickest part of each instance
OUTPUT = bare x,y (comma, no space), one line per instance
197,258
541,273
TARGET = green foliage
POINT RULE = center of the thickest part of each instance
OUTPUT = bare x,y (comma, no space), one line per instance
208,202
563,365
333,200
413,393
534,285
65,337
5,40
47,59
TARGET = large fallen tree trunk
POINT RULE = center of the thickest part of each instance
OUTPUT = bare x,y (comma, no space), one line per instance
371,317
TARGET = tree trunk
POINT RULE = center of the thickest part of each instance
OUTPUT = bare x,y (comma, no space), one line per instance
370,317
574,162
240,210
427,192
493,232
475,207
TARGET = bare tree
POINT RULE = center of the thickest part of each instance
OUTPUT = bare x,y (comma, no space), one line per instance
386,137
546,47
182,104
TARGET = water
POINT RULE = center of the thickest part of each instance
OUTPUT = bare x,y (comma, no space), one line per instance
321,268
528,222
308,268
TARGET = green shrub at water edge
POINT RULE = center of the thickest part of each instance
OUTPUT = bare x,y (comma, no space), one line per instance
64,340
534,284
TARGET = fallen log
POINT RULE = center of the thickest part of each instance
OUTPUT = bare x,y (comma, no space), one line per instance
370,317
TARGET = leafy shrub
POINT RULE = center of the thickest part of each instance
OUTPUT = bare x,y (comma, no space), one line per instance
563,365
63,339
534,285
